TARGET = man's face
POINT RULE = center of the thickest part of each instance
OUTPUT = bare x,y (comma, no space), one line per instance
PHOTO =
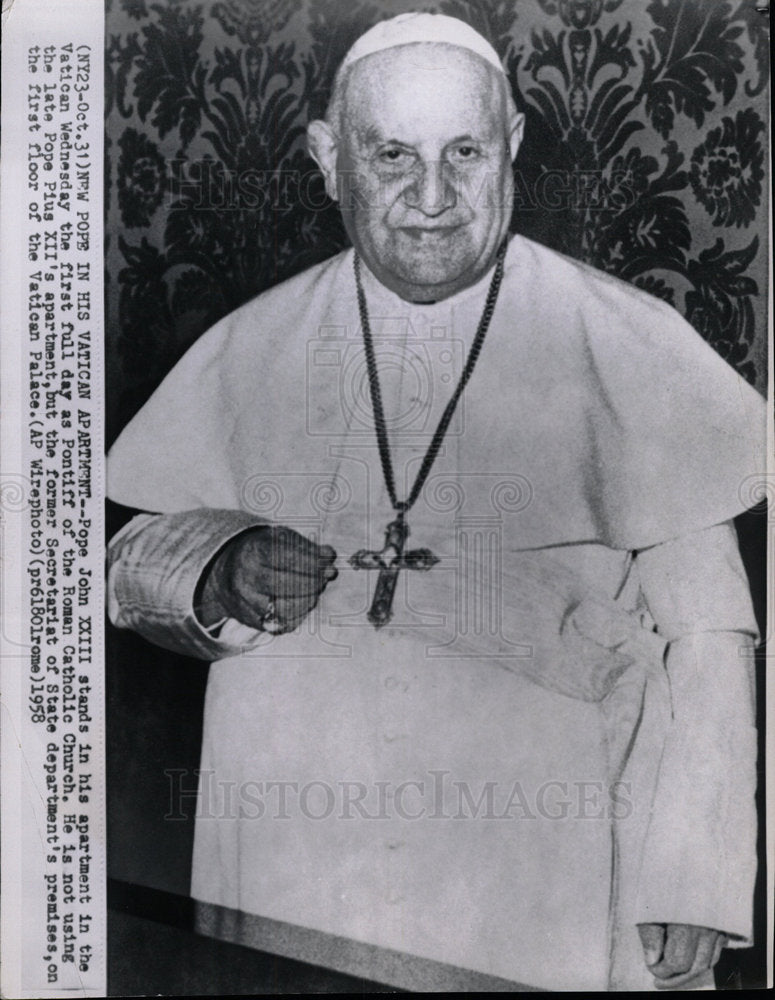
422,169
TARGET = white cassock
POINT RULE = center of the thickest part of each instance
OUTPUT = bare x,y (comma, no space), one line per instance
512,774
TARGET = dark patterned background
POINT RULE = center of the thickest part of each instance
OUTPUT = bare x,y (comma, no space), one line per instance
644,155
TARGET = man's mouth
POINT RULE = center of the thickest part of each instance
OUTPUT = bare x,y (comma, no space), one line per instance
430,232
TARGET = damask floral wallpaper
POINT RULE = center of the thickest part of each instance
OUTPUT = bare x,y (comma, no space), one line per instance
644,156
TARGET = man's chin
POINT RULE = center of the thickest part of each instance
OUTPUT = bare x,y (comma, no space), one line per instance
430,267
431,282
434,265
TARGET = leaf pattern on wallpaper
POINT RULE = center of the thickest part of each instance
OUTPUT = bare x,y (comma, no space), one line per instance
652,230
694,50
254,21
644,154
757,23
120,58
719,304
170,79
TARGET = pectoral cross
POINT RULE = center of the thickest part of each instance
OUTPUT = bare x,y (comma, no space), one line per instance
389,561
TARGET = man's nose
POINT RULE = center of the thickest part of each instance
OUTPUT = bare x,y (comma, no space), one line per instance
431,190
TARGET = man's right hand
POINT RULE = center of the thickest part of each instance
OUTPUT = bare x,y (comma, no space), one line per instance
266,568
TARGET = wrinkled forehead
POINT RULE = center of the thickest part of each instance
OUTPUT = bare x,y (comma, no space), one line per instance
423,85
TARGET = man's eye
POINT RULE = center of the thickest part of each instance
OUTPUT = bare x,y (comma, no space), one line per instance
394,157
465,153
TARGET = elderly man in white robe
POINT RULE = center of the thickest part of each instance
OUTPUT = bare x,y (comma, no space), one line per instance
525,746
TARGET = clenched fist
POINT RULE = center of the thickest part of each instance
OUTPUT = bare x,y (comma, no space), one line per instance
678,953
269,572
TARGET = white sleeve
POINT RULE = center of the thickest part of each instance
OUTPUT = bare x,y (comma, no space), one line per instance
154,565
699,863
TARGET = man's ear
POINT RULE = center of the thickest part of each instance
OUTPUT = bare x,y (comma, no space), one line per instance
322,144
516,128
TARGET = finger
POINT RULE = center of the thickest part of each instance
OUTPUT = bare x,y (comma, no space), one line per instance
285,584
300,579
290,613
652,938
292,551
283,550
276,616
706,949
250,609
271,613
250,596
704,979
679,951
721,943
706,956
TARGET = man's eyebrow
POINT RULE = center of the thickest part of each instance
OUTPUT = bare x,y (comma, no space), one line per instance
373,137
466,138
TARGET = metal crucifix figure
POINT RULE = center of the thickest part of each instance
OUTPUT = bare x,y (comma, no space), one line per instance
389,561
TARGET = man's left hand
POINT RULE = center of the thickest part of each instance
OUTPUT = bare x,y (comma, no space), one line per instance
676,953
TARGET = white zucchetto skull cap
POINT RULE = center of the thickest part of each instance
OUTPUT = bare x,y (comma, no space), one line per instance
406,29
